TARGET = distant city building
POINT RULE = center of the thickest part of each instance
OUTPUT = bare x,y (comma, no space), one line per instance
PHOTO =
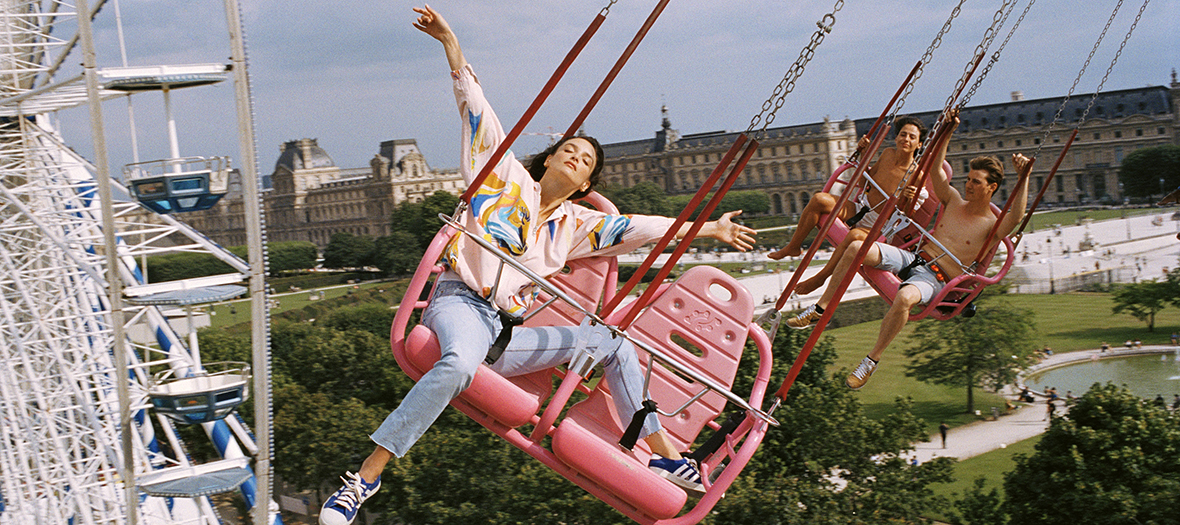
794,162
309,198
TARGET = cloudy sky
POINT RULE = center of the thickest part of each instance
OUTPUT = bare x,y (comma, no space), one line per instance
353,73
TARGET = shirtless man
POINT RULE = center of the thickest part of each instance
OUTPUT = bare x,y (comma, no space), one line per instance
966,223
887,172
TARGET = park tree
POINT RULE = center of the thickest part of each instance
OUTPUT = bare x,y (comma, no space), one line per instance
284,256
644,198
346,250
984,351
1150,171
823,433
397,253
420,219
1115,459
750,202
319,436
1143,300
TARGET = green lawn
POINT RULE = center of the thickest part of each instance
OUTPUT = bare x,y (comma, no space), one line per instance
991,466
1065,322
932,403
1070,217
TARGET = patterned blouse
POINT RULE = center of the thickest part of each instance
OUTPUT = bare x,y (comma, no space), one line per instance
504,209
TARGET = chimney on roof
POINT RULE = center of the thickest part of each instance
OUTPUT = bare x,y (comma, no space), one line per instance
1017,96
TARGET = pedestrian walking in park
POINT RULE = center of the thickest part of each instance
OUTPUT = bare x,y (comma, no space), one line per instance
942,428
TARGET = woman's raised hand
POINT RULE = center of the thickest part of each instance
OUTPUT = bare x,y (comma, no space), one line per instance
432,23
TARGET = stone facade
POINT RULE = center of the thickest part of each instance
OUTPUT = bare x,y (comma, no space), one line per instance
310,198
794,162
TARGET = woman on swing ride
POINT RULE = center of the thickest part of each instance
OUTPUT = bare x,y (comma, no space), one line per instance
528,213
886,173
965,225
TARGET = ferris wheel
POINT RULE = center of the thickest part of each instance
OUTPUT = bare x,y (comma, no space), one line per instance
98,370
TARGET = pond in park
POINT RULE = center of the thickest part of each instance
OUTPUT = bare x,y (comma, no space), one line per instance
1145,375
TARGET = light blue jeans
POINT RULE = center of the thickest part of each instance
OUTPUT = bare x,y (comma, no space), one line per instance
466,325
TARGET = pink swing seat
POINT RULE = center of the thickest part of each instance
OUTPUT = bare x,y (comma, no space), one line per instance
705,308
955,294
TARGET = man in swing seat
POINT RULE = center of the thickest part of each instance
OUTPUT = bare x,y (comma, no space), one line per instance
529,212
887,173
965,225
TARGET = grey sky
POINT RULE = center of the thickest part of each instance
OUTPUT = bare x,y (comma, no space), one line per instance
354,73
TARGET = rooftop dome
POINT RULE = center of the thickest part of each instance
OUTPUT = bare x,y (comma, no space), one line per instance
303,154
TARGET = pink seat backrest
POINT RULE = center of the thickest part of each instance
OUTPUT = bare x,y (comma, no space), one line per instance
701,320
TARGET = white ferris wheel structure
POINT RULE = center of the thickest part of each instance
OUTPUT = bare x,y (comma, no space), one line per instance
95,378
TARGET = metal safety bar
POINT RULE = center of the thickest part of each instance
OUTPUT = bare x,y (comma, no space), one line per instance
554,291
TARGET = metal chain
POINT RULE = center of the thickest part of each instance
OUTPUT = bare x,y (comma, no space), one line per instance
996,56
787,84
1117,54
606,10
946,26
1082,72
980,49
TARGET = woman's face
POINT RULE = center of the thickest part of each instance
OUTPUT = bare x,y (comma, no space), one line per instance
572,163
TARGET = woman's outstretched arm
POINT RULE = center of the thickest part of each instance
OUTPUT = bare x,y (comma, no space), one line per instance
432,23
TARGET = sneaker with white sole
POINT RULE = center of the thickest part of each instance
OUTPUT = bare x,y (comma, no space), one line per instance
342,506
861,375
679,471
806,319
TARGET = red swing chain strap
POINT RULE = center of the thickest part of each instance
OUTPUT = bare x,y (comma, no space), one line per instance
923,172
1044,186
857,175
845,282
876,136
680,220
702,218
532,109
983,249
610,77
881,119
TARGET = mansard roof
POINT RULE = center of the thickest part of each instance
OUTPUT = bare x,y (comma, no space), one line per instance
291,156
1152,100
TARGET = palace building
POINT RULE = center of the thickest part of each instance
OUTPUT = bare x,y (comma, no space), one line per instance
308,198
794,162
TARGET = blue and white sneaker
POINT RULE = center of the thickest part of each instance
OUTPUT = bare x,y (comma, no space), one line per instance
341,507
680,471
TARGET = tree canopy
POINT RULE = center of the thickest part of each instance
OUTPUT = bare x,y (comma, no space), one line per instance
987,350
1144,299
1114,460
1150,171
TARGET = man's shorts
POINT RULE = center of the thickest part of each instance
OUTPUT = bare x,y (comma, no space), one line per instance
894,260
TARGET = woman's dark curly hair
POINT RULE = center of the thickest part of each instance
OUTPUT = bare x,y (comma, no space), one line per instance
537,163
